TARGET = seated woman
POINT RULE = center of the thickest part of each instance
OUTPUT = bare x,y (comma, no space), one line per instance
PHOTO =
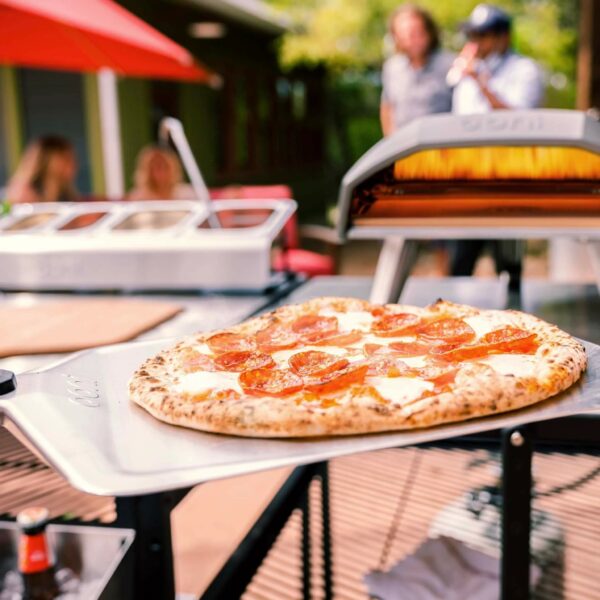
46,172
158,176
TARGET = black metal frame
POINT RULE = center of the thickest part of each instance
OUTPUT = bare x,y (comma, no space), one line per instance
517,454
152,551
517,445
238,571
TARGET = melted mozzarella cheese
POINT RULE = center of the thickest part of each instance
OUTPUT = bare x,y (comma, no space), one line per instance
491,321
414,361
370,338
202,348
399,389
360,320
519,365
282,356
196,383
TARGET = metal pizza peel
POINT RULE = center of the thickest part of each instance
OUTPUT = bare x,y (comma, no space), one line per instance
76,412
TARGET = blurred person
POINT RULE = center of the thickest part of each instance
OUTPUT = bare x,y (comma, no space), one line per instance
489,75
46,172
414,78
158,176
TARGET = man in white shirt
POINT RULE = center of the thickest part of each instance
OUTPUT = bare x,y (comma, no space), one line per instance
493,76
488,75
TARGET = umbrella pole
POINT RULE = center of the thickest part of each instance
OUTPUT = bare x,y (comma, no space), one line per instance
110,128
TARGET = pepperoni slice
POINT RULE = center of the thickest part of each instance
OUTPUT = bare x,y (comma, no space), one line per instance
406,349
444,379
193,361
377,311
508,340
451,331
270,382
511,339
371,349
388,366
230,342
439,375
354,373
243,361
276,337
458,353
342,339
312,328
391,325
316,363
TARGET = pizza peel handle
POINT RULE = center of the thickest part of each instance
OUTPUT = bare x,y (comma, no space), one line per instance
8,382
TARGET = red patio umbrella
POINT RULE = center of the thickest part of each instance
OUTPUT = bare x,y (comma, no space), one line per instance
94,35
88,35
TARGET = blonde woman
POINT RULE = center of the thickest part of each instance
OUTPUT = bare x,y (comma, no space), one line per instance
158,176
46,172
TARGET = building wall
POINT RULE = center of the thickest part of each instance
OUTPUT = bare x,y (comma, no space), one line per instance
11,134
4,168
262,126
588,63
53,103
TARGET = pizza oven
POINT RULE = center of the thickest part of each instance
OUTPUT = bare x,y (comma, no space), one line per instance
503,175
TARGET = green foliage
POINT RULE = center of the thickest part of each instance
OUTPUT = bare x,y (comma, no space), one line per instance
349,34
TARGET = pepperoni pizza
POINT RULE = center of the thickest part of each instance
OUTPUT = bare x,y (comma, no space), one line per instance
334,366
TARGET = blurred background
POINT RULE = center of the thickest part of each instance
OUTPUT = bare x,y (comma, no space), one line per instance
298,100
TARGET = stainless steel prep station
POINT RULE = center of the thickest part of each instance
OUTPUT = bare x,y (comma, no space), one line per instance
151,245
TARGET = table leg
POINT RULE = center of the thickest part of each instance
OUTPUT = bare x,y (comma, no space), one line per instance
306,556
150,517
326,532
593,250
517,450
238,571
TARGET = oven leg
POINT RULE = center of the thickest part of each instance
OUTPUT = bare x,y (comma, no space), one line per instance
396,260
306,561
326,532
150,517
593,250
517,451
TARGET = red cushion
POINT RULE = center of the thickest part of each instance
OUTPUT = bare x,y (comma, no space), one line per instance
304,261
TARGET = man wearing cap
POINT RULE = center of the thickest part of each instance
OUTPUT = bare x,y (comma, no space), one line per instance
488,75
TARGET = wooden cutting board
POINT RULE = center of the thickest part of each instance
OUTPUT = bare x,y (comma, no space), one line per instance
71,325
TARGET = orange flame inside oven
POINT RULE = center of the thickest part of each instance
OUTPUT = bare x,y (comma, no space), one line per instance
499,162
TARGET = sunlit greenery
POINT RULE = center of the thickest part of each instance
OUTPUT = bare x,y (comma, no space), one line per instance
348,34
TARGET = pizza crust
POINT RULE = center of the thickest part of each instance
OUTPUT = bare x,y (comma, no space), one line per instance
479,390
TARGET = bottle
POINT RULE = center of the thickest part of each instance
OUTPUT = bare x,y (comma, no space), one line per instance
36,560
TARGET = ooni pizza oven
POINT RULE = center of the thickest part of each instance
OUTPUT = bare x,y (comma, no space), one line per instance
141,245
503,175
